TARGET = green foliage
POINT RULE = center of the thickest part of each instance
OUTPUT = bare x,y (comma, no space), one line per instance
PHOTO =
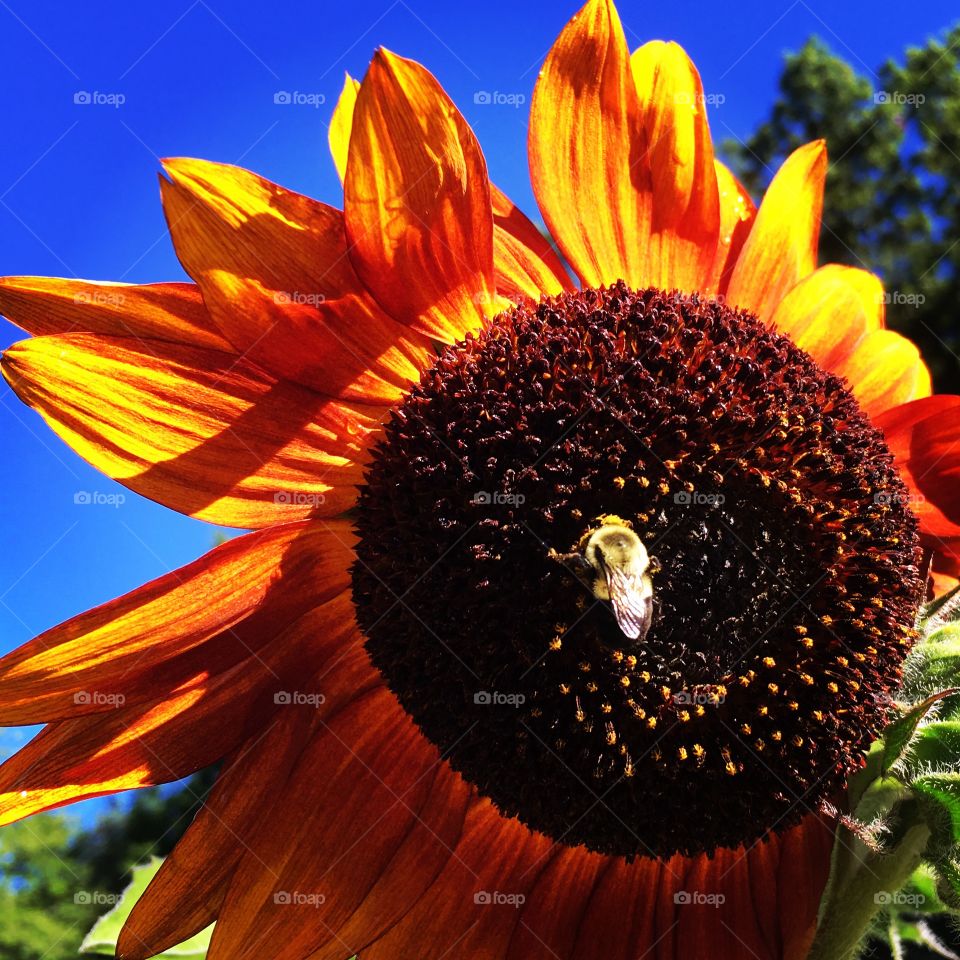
56,881
891,205
43,910
102,939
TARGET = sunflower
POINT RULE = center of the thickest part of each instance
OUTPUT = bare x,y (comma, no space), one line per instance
433,736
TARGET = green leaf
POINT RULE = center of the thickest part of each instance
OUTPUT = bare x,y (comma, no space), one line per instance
102,938
934,664
937,745
943,791
897,735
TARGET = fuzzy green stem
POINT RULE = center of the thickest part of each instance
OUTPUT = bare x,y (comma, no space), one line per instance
848,915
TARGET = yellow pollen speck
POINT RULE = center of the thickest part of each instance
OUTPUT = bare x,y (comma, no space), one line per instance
666,693
699,710
797,741
564,688
624,681
762,710
773,688
807,679
698,751
817,715
684,716
619,482
664,488
807,642
776,735
793,705
645,677
769,662
606,708
617,656
731,769
651,722
556,643
759,745
832,687
644,482
745,729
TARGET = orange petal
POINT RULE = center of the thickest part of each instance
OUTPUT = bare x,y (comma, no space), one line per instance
525,263
311,863
161,311
417,202
493,856
587,151
737,212
188,891
886,370
198,430
829,312
549,918
686,207
781,248
341,124
170,737
279,285
924,437
119,649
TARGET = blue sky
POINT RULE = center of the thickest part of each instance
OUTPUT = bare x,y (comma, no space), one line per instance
79,197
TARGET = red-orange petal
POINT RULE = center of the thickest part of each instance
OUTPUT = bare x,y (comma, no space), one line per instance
122,649
279,285
524,262
341,123
180,731
417,202
924,437
587,151
781,248
159,311
737,213
886,370
188,891
200,431
312,862
686,209
829,312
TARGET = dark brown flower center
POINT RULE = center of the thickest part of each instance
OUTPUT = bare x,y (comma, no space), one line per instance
783,605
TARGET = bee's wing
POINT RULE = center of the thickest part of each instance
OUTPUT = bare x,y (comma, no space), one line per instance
632,602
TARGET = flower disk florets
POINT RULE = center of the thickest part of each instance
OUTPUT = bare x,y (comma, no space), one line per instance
784,601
